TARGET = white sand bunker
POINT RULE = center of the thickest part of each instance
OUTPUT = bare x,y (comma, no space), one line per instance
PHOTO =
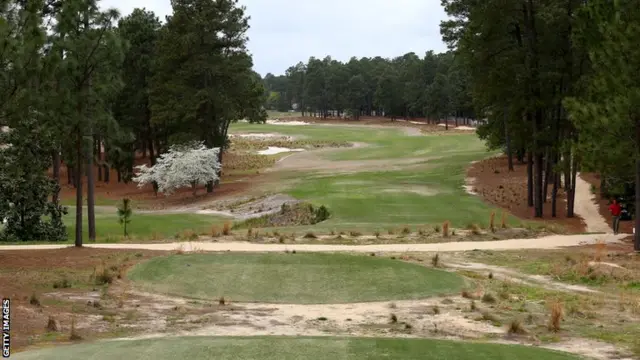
272,150
261,136
465,128
290,123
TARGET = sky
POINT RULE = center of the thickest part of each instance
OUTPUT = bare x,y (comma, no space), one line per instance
285,32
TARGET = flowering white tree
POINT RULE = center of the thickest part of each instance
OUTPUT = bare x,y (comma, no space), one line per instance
182,166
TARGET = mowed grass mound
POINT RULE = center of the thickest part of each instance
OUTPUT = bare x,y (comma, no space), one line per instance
288,348
302,278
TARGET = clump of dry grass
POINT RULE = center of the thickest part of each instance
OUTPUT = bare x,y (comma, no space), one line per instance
601,248
226,228
310,235
390,231
354,233
467,294
488,298
282,239
437,228
472,306
189,235
215,232
490,317
406,230
436,309
557,314
492,219
475,229
445,229
394,319
503,220
249,232
74,336
179,250
422,232
377,234
435,260
222,301
52,325
102,275
62,284
516,328
490,275
33,300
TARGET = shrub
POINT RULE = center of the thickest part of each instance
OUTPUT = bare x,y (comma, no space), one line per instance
436,228
310,235
472,306
435,260
355,233
406,230
488,298
52,325
515,328
390,231
377,234
556,309
436,310
322,214
33,300
226,228
214,231
124,214
394,319
62,284
102,275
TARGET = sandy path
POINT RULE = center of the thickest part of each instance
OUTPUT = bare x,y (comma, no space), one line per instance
587,209
549,242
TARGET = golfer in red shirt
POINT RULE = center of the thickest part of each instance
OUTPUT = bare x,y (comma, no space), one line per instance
615,210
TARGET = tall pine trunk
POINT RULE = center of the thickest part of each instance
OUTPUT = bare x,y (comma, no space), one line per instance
56,174
78,183
571,194
90,198
529,178
507,137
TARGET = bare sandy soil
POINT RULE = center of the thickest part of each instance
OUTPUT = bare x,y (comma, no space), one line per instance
549,242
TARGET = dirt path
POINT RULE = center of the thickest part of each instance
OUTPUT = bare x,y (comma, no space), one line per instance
549,242
587,208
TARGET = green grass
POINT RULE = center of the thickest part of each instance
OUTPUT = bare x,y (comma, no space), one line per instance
379,197
292,278
288,348
143,226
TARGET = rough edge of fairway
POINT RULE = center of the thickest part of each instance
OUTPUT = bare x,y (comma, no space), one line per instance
302,278
278,347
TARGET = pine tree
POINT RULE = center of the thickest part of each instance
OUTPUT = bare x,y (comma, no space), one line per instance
90,56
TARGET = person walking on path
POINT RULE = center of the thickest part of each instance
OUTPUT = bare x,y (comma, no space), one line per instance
615,210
